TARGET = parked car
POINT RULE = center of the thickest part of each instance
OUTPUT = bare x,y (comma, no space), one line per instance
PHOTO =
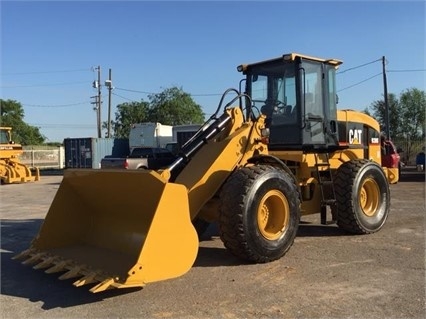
141,158
421,161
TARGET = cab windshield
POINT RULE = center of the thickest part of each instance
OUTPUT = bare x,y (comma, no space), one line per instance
273,92
4,137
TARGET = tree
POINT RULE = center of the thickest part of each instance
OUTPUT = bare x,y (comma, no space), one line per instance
379,112
12,114
174,107
128,114
413,106
407,119
406,114
367,111
171,107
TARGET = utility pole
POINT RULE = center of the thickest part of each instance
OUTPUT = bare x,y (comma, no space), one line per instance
95,102
108,83
99,103
385,87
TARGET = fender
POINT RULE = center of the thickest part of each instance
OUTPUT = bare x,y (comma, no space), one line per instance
275,161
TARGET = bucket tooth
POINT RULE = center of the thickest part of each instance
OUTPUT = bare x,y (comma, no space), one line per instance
72,273
104,285
87,279
46,263
115,243
34,259
60,266
24,254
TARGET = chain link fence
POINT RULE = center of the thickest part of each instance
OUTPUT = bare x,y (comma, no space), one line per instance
409,149
44,157
50,157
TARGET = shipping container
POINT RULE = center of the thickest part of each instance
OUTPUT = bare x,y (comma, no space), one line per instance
88,152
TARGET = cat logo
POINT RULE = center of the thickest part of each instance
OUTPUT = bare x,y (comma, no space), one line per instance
355,136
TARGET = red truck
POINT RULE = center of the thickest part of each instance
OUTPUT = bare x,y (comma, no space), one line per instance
390,156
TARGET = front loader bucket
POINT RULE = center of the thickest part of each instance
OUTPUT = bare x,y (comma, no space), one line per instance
15,172
115,229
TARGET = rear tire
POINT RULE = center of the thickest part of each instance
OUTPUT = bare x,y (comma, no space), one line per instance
259,213
362,195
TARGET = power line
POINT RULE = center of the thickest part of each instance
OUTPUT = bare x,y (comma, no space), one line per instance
57,105
64,126
359,66
414,70
153,93
123,97
134,91
358,83
46,72
219,94
40,85
207,94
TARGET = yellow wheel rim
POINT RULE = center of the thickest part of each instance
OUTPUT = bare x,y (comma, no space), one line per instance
273,215
369,197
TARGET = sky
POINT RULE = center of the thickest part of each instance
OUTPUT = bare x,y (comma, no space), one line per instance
49,51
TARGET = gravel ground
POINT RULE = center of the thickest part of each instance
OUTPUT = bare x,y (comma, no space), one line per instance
326,274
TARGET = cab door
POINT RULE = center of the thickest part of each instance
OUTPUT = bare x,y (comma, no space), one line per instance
319,105
314,117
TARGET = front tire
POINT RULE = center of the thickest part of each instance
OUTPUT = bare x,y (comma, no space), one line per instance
362,195
200,226
259,213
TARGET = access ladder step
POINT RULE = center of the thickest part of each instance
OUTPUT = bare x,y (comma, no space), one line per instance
328,201
322,164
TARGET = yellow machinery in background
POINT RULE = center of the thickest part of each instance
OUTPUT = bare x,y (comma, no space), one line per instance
11,169
284,151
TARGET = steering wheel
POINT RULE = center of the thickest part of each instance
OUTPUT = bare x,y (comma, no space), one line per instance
273,107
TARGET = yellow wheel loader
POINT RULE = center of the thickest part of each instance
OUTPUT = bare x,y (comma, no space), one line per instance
282,152
11,169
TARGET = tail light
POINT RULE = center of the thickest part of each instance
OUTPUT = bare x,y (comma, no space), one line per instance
126,164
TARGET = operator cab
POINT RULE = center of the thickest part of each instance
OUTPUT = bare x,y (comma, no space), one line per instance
5,137
297,94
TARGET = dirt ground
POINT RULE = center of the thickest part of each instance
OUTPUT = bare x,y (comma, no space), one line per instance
326,274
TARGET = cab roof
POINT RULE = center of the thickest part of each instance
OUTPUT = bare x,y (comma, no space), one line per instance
292,57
